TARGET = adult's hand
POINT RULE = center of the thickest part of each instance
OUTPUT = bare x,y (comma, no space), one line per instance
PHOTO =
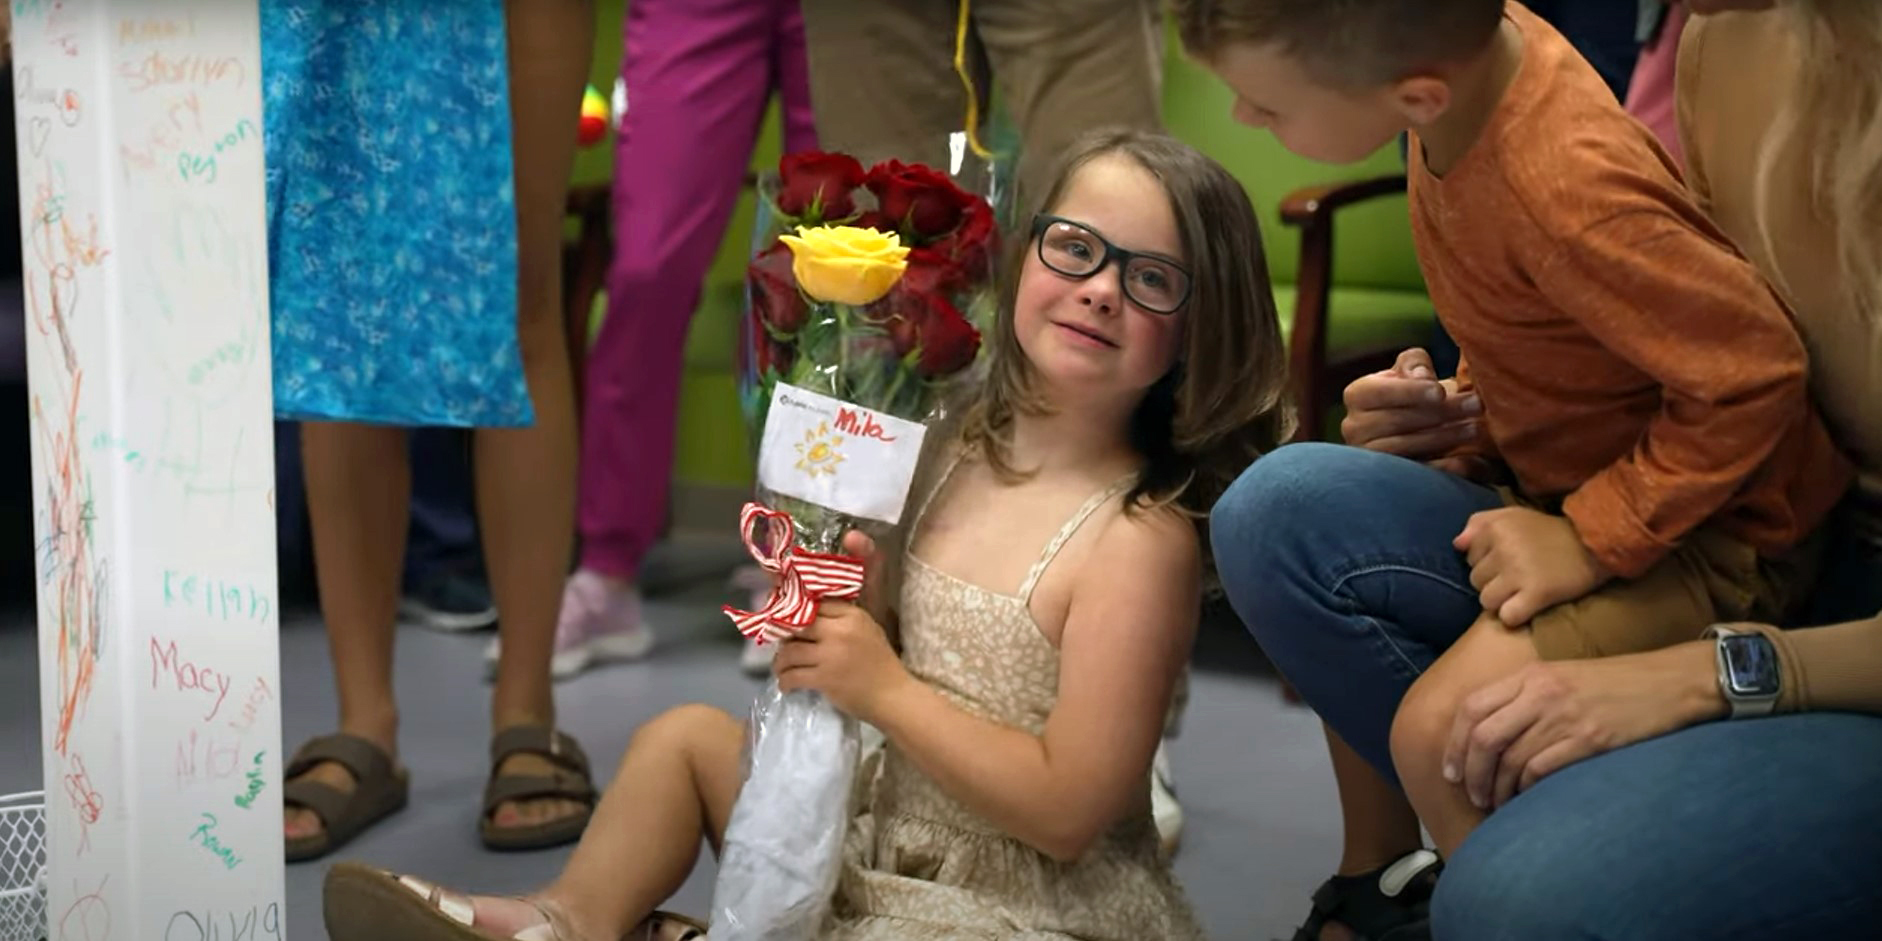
1408,411
1549,715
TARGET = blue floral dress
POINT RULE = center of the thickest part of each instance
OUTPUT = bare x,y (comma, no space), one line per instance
391,212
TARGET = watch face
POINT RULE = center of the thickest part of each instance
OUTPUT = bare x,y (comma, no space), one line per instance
1751,664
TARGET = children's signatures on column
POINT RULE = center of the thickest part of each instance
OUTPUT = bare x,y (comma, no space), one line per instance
253,923
147,332
258,696
257,780
205,836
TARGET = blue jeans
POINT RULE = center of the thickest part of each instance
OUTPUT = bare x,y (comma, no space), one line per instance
1339,561
1769,828
1730,831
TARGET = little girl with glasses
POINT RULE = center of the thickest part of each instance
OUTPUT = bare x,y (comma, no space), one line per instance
1048,598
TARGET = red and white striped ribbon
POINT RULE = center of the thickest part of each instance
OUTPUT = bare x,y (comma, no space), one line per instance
803,578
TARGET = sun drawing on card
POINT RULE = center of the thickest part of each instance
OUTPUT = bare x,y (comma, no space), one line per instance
817,454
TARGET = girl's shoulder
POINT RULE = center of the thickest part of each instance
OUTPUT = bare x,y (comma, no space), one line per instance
1140,542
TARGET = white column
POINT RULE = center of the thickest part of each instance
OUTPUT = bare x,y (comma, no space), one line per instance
141,192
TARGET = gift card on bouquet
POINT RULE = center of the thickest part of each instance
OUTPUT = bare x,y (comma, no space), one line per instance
851,459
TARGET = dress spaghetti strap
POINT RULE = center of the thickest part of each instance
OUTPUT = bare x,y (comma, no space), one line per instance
927,500
1070,529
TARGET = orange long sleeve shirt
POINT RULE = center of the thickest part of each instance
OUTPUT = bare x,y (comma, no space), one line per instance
1629,360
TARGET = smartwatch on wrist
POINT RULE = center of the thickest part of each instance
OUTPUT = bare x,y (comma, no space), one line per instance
1748,671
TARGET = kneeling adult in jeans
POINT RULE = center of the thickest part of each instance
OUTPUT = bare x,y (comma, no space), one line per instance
1619,807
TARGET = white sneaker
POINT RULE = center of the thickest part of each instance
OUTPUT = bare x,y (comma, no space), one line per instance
599,623
1163,806
756,658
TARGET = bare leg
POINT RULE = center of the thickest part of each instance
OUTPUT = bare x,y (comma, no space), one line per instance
526,476
676,784
1487,652
1379,822
1381,826
358,498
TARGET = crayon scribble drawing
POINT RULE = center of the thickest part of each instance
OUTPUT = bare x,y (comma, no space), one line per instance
85,799
72,578
89,918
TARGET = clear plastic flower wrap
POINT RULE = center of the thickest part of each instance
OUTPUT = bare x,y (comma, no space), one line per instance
863,298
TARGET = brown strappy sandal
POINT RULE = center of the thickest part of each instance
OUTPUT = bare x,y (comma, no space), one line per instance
571,781
365,904
379,790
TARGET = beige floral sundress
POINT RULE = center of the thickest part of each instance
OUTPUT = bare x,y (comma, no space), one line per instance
920,866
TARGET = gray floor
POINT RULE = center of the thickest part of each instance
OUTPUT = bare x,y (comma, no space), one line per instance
1262,822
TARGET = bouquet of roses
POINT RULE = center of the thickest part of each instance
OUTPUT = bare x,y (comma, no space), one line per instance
931,313
863,299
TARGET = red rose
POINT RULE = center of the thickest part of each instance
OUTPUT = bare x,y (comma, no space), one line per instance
773,356
928,323
931,272
948,342
817,186
924,204
775,299
972,244
871,219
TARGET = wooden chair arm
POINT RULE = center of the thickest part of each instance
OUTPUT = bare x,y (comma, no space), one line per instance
1311,211
1319,202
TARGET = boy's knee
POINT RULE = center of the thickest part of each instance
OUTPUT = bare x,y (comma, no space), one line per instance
1422,727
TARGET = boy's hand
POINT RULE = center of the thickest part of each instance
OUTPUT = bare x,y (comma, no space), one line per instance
1524,562
1409,412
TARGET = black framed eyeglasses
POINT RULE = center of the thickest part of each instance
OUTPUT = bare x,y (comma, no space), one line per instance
1072,249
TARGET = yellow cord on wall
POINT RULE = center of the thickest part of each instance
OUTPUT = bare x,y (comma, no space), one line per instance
967,82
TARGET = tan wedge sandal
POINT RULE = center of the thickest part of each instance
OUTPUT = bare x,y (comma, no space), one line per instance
366,904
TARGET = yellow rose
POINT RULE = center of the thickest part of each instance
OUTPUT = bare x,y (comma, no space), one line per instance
844,264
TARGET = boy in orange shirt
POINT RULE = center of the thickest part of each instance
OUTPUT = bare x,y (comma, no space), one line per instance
1635,383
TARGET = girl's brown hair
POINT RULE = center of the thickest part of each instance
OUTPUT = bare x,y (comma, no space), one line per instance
1225,402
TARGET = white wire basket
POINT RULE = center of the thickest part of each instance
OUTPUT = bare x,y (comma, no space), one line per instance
23,867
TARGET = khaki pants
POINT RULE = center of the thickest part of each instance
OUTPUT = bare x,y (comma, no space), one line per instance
1710,579
882,80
